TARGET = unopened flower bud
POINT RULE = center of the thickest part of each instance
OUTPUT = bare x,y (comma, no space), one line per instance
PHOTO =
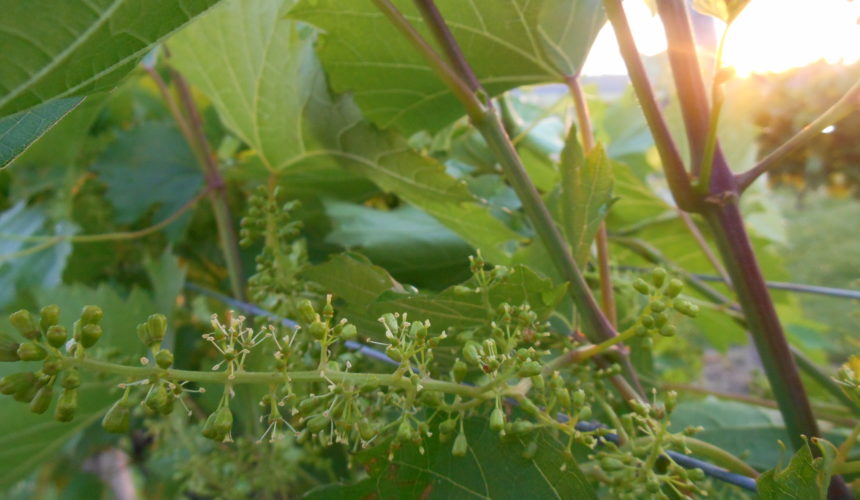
23,322
49,316
461,446
460,370
72,380
91,315
67,404
42,400
156,398
157,324
8,348
317,423
117,418
530,369
497,420
658,276
673,289
164,359
641,286
90,334
29,351
56,335
219,424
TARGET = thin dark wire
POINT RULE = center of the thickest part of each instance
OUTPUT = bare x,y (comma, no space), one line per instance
714,471
776,285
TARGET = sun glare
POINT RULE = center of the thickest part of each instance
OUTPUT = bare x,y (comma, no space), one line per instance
769,36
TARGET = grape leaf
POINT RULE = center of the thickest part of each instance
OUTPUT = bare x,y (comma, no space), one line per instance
261,74
493,468
19,131
75,47
586,194
508,43
805,477
150,165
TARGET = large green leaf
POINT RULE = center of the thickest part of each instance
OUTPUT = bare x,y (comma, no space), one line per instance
494,468
508,43
586,194
19,131
52,48
805,477
268,88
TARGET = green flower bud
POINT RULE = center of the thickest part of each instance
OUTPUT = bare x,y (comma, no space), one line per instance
366,430
72,380
156,398
91,315
317,329
462,290
390,323
49,316
497,420
157,324
11,384
23,322
658,276
90,334
530,450
28,351
563,397
394,353
658,306
448,426
522,427
461,446
144,335
306,406
530,369
641,286
317,423
661,319
579,398
696,474
611,464
349,332
673,289
42,400
584,413
648,321
52,365
460,370
67,404
405,431
8,348
219,424
56,335
471,352
117,418
306,312
26,394
164,359
668,331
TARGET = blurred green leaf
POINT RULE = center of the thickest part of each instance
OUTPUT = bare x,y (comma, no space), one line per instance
77,48
150,165
21,270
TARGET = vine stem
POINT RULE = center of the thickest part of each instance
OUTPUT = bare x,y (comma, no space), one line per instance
49,241
586,131
487,122
255,377
215,182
